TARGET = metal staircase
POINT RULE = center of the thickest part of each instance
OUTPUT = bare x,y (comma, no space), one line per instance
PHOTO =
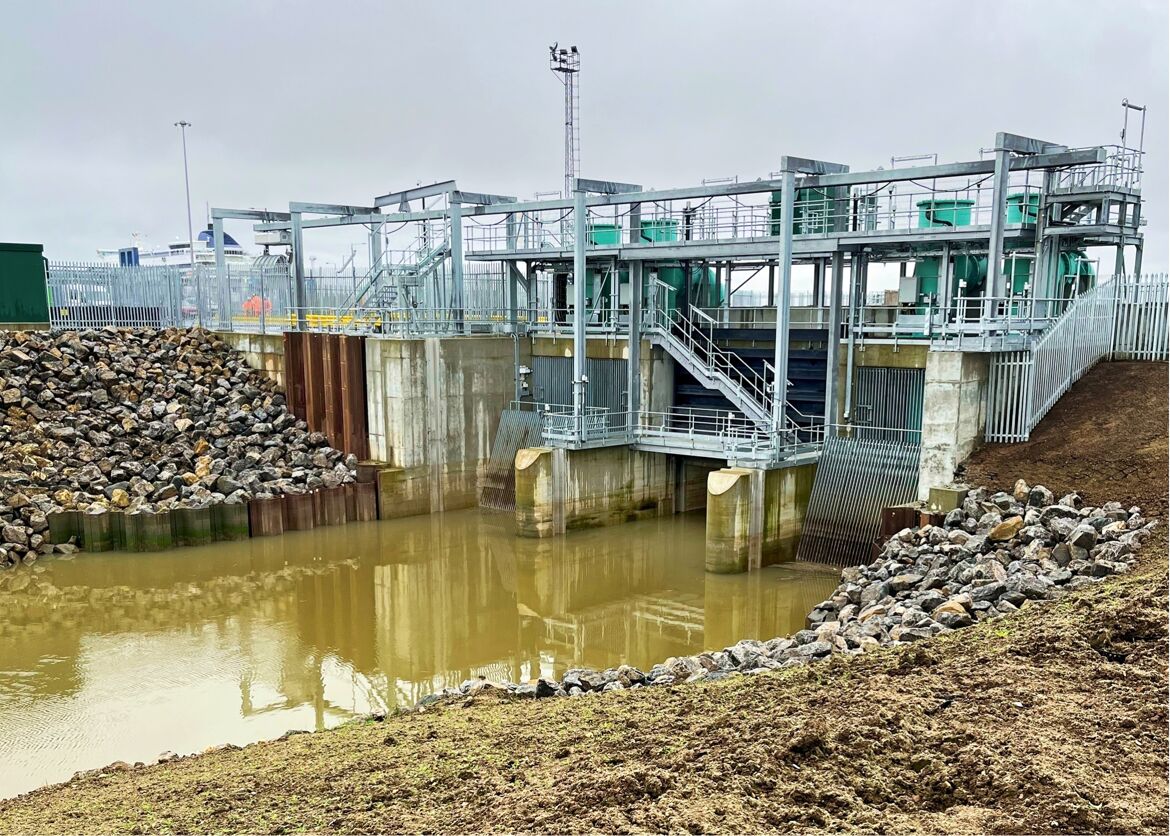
383,286
711,365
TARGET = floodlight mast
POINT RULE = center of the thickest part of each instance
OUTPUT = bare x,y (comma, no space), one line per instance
567,64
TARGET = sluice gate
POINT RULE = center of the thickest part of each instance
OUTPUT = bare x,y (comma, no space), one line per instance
857,477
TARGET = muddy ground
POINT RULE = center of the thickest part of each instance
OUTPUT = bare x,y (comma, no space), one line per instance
1052,719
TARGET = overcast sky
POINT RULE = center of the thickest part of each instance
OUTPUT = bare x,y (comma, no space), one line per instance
340,101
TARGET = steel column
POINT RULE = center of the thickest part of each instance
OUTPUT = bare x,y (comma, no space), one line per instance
376,261
457,262
995,286
832,357
221,277
298,250
634,353
857,284
784,297
579,313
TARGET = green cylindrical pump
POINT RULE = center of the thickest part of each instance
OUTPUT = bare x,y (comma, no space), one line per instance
1023,207
812,212
938,212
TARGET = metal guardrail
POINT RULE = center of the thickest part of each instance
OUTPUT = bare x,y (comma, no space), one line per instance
1124,317
705,432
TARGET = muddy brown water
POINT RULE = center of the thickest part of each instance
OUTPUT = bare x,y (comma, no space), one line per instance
108,657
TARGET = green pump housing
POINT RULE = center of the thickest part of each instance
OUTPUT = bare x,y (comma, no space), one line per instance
813,211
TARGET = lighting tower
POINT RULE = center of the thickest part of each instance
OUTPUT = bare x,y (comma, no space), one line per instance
567,63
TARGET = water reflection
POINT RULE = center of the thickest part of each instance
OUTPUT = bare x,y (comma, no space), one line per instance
122,656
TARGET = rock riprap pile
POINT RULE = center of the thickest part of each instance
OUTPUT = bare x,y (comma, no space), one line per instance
141,422
995,554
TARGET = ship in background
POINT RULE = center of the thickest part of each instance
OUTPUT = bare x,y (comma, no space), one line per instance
178,253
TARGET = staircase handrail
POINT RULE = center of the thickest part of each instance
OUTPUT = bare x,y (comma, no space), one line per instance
424,260
717,360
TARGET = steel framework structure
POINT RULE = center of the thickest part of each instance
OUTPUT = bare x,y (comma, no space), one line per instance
1033,201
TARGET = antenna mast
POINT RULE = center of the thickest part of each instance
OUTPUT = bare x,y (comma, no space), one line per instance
567,63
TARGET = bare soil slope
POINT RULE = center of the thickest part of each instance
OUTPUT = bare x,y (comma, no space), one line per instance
1052,719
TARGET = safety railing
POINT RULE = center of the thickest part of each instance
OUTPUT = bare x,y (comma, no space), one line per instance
1122,169
397,268
1124,318
701,345
408,321
710,432
905,206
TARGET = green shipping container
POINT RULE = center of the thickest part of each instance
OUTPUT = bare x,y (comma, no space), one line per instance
24,299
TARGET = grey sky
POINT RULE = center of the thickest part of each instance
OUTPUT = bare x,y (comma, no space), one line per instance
342,101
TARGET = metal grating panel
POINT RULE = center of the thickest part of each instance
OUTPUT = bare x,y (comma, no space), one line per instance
856,478
518,428
889,398
552,382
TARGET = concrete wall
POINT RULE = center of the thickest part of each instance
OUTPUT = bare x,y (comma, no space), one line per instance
264,352
434,406
954,413
560,490
754,516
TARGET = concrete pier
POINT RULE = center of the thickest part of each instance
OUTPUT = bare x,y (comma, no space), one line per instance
558,490
434,406
954,414
754,516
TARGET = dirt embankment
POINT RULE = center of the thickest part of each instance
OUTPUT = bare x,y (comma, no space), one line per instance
1051,719
1106,438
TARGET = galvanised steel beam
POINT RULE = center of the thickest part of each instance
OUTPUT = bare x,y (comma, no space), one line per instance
579,344
404,197
995,286
783,296
584,184
359,215
481,199
832,373
1063,159
1025,144
802,165
250,214
330,209
803,246
298,253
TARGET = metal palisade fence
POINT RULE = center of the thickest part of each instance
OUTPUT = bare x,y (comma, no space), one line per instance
255,297
1123,319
